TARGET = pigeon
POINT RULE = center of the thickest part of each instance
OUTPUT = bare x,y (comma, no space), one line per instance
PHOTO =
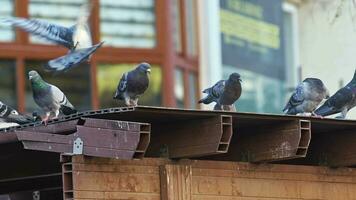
306,97
224,93
133,84
76,38
10,117
49,97
341,102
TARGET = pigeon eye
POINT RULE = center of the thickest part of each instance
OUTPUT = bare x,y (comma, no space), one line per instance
14,112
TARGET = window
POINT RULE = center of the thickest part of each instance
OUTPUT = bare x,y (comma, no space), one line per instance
75,84
179,87
63,13
8,82
109,75
7,33
193,89
128,23
191,26
176,25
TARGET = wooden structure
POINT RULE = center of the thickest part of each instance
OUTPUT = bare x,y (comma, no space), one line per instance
162,153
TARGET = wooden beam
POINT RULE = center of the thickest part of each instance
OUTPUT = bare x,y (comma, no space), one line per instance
176,182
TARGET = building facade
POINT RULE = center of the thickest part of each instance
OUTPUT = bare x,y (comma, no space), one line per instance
162,33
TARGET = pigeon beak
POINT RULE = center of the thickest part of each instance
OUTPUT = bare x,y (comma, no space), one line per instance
148,71
30,77
240,80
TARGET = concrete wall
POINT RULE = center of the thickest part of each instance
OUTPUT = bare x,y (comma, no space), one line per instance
328,45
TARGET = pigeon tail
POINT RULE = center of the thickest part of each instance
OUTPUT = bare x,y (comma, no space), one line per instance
206,100
325,110
66,110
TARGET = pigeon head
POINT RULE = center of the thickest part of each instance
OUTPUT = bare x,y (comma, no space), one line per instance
33,75
144,68
235,77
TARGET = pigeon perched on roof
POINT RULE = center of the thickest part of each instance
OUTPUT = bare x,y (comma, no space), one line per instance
133,84
49,97
306,97
224,93
77,38
341,102
10,117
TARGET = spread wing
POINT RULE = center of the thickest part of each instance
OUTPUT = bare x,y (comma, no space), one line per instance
72,59
52,32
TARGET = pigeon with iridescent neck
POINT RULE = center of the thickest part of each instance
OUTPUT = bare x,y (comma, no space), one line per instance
49,98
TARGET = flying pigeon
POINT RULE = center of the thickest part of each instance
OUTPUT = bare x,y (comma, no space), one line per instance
10,117
224,93
133,84
49,97
306,97
77,38
341,102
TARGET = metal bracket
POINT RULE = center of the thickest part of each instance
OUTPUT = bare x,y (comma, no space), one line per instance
36,195
78,146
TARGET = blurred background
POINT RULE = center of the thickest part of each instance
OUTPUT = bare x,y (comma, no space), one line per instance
191,44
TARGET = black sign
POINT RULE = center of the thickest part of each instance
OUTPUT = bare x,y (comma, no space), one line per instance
252,36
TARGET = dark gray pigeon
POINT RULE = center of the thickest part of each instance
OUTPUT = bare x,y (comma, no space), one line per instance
306,97
341,102
224,93
133,84
10,116
77,38
49,97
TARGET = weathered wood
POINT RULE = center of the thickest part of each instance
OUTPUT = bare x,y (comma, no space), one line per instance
176,182
199,179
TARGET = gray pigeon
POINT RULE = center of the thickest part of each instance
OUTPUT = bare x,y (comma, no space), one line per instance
133,84
9,115
341,102
77,38
49,97
306,97
224,93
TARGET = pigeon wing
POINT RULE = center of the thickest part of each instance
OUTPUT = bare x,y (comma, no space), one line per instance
121,88
82,36
59,98
296,99
53,33
72,59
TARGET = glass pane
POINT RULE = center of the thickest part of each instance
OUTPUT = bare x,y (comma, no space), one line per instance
63,13
8,82
134,26
179,87
109,75
191,26
176,25
7,32
75,84
193,88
